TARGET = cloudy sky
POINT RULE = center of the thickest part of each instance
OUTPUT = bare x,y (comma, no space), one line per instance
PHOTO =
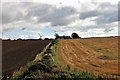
88,18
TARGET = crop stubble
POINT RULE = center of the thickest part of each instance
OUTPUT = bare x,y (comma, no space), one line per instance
94,55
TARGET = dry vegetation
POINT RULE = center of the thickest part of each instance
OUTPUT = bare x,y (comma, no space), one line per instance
94,55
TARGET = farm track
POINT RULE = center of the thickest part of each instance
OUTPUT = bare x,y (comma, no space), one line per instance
82,57
16,54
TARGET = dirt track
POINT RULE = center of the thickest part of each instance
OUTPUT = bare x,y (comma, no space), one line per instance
17,53
96,55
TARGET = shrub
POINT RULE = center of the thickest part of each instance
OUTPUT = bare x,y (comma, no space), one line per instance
75,35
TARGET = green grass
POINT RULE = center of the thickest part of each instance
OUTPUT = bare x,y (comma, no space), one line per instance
57,61
55,52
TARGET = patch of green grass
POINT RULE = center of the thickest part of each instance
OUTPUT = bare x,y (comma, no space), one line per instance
56,54
55,51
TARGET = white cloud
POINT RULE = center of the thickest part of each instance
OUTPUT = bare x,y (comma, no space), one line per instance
86,17
103,1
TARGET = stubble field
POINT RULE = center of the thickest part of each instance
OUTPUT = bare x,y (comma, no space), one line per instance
93,55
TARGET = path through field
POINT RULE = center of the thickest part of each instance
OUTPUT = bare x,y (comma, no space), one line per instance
96,55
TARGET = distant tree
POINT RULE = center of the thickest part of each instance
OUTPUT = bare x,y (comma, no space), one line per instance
46,39
40,39
56,36
19,39
75,35
9,39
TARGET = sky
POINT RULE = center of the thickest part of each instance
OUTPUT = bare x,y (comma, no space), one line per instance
88,18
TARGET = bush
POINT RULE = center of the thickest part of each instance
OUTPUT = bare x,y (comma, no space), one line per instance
54,42
46,39
75,35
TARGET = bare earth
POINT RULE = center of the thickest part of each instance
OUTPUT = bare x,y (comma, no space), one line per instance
94,55
18,53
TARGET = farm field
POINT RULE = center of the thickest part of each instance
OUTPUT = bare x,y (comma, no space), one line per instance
93,55
16,54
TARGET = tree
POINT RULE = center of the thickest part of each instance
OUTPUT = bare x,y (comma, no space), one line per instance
75,35
56,36
9,39
19,39
46,38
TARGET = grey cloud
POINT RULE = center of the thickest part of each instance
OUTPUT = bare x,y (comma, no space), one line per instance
108,30
63,16
38,10
107,27
43,12
88,14
26,11
119,11
11,12
107,18
14,11
103,16
59,16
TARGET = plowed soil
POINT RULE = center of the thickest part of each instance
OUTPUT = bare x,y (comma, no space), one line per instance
16,54
93,55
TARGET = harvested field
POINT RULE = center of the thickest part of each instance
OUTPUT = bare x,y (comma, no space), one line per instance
94,55
17,53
